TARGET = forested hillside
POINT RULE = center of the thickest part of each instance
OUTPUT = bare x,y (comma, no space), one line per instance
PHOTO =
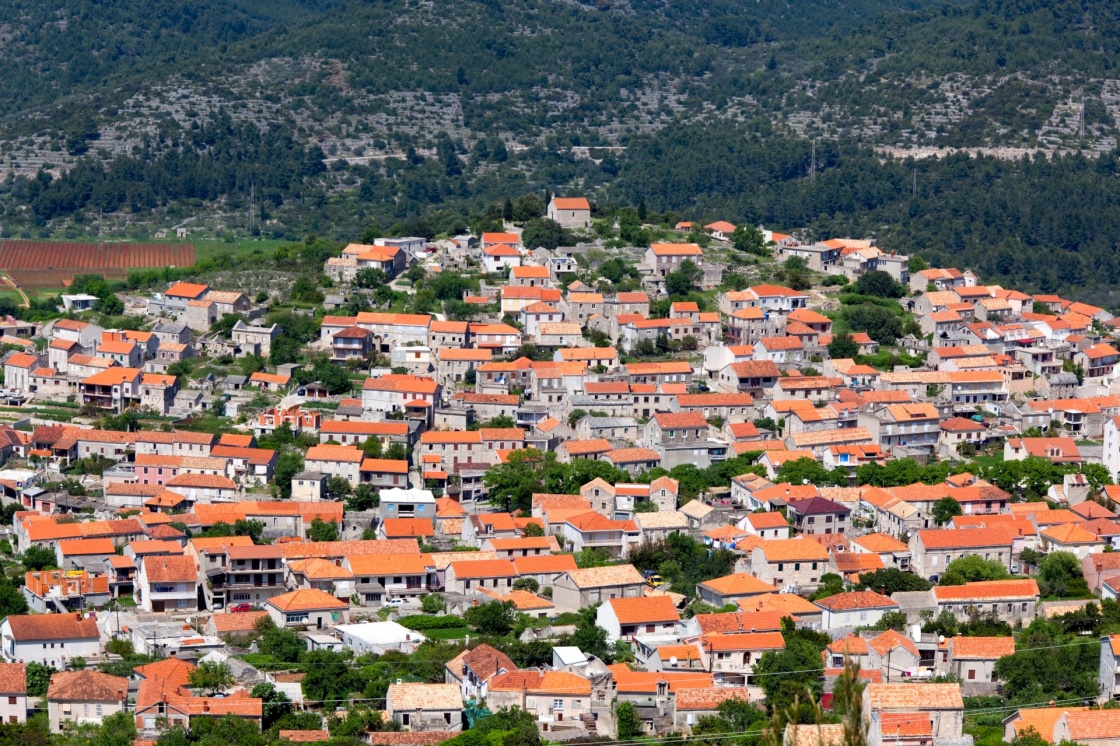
329,116
1035,223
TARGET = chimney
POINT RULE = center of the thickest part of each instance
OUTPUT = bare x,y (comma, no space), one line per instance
206,705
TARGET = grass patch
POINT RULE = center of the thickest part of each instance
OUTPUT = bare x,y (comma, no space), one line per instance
992,460
213,249
455,633
212,425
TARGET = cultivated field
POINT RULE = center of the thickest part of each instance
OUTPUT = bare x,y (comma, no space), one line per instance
51,264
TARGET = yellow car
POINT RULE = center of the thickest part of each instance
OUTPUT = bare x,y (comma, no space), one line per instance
655,581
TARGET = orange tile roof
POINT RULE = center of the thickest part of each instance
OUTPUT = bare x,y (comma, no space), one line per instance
981,648
186,290
76,547
892,640
740,621
36,627
544,563
632,455
396,528
743,641
306,599
498,568
856,600
948,538
788,550
914,697
646,682
738,584
541,682
985,589
1041,720
644,610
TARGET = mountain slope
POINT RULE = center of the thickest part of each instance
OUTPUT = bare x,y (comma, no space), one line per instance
58,48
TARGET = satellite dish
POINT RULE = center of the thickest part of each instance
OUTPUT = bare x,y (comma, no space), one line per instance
673,661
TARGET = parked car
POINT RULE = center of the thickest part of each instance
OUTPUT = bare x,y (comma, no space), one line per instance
394,603
240,607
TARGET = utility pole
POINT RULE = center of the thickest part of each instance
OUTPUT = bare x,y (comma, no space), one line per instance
914,189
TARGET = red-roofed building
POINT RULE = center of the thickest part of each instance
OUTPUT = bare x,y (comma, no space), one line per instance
1012,600
570,212
624,618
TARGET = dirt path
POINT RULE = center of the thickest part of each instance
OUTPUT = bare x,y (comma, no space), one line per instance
8,281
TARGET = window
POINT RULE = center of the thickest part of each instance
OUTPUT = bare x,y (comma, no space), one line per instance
780,567
971,674
11,700
99,709
558,704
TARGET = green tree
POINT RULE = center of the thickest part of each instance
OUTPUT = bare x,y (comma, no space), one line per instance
433,603
879,323
365,497
275,704
38,558
328,676
543,232
895,620
211,677
12,600
321,530
589,636
892,580
791,673
281,643
683,280
945,509
338,488
973,568
38,679
626,720
1060,575
222,731
118,729
1045,666
878,284
809,471
830,585
749,239
372,447
528,207
287,466
494,618
842,346
533,530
